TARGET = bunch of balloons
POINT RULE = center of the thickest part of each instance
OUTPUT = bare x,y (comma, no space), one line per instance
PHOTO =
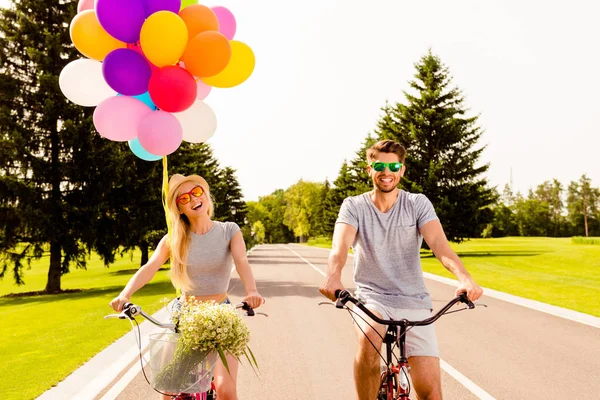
149,65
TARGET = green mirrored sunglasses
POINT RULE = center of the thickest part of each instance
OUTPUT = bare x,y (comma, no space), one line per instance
392,166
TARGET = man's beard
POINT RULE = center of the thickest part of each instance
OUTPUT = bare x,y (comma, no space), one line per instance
381,189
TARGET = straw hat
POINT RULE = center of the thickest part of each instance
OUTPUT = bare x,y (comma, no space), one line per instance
178,179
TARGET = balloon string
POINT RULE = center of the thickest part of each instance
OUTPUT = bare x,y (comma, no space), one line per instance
165,193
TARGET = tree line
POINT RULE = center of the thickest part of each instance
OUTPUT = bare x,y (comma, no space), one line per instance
443,162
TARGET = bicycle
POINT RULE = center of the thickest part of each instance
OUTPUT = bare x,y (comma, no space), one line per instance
131,310
394,381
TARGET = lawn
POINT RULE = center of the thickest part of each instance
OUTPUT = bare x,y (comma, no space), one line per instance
551,270
45,338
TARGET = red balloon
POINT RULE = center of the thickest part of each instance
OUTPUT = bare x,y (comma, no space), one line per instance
172,89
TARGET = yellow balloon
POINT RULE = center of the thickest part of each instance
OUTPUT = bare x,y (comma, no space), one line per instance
239,69
90,38
163,38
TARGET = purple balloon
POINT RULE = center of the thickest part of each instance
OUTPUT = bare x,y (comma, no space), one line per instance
127,72
152,6
122,19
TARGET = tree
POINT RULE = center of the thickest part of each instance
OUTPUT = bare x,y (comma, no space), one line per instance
583,205
302,208
270,210
228,195
531,215
550,193
327,212
441,155
54,168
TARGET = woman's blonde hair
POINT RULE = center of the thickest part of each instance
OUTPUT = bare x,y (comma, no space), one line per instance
180,229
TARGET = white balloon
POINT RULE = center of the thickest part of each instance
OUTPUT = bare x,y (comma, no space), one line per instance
199,122
82,82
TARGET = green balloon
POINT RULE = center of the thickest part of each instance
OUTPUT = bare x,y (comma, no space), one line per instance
185,3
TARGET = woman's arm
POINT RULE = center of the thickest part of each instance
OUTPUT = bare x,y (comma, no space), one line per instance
143,275
238,251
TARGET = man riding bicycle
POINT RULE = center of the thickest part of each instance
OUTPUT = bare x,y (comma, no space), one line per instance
386,228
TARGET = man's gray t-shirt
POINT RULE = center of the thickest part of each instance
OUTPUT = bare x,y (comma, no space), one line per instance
387,263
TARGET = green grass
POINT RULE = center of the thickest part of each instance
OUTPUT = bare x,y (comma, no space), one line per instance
585,240
46,337
550,270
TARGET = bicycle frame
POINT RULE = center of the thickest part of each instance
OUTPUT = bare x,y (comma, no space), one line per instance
394,382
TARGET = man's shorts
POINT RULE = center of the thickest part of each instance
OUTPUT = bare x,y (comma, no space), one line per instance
420,340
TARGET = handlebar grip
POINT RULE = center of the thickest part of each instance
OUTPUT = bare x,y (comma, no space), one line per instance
465,299
341,295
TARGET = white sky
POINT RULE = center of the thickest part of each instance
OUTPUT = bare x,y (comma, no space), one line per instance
325,68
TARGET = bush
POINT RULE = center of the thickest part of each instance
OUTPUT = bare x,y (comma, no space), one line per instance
585,240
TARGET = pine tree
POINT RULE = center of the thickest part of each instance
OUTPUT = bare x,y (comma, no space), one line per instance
54,168
441,155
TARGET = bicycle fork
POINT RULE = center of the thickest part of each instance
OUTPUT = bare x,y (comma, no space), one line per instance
394,378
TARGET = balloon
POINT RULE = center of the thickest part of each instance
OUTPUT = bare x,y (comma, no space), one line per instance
163,38
122,19
207,54
185,3
82,83
239,69
85,5
127,72
90,38
198,19
144,98
199,122
203,90
172,89
152,6
138,49
160,133
227,25
138,150
117,117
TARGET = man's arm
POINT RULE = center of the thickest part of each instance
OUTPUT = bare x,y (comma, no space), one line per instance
343,237
434,236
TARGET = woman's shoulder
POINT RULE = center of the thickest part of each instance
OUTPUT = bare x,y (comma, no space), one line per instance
229,227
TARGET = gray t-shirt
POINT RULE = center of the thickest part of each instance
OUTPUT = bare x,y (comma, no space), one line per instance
209,259
387,263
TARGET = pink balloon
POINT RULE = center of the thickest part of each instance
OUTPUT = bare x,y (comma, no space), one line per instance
160,133
203,90
227,25
117,118
85,5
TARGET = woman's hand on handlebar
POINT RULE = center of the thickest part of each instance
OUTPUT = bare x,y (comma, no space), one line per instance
254,299
118,302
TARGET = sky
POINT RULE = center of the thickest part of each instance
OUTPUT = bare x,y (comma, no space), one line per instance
324,68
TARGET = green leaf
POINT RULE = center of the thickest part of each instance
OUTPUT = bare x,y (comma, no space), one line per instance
223,359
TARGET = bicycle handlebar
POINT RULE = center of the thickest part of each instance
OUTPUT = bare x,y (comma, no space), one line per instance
343,296
131,310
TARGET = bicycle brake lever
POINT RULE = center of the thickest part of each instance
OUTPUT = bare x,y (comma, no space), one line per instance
120,316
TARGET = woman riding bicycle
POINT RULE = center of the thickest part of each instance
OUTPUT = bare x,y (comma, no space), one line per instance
201,252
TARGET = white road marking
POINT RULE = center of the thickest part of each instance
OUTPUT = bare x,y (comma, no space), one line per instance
463,380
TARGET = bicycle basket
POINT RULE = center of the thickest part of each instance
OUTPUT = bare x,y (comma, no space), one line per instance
170,371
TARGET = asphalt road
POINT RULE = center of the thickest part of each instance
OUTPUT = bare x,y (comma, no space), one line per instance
304,350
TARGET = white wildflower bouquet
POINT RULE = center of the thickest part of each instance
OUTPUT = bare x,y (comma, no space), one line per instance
205,327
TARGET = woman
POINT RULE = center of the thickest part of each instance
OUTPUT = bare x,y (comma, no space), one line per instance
201,252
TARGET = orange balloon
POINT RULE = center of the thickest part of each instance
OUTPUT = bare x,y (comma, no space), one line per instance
207,54
90,38
198,19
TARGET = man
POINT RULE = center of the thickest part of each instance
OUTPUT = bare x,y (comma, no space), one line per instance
386,228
